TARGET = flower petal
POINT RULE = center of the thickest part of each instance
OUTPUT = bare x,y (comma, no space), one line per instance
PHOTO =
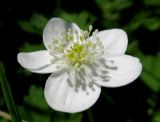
114,41
38,61
62,96
118,71
55,28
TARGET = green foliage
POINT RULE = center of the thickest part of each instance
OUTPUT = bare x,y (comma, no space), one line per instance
82,19
150,74
34,116
8,95
28,47
35,25
2,99
111,11
37,110
151,3
151,67
114,5
146,20
3,120
35,98
156,117
150,81
61,117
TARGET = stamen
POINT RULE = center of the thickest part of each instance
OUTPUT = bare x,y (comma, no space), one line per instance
76,49
90,28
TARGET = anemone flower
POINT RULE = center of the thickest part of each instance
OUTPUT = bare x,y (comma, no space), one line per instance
80,62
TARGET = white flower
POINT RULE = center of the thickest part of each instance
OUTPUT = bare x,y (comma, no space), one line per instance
80,62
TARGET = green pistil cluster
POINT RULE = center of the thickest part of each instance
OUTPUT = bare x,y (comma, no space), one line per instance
78,54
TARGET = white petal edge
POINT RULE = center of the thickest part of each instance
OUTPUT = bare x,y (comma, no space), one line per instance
54,29
128,69
115,41
38,61
61,96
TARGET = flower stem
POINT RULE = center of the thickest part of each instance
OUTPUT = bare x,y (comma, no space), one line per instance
90,115
8,96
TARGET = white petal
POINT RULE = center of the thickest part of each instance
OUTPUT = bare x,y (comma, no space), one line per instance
63,96
38,61
114,41
54,29
118,71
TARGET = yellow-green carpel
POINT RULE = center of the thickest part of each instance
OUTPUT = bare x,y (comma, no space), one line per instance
79,55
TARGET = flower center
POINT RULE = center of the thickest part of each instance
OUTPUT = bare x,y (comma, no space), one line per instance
79,55
76,49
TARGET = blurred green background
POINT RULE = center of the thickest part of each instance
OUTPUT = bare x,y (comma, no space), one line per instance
21,28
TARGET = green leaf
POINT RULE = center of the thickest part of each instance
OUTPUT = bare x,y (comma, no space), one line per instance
156,66
2,102
28,47
150,81
82,19
8,96
151,67
151,2
152,23
112,10
114,5
61,117
32,115
3,120
90,115
156,117
144,19
133,47
37,109
36,98
35,25
150,74
37,117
